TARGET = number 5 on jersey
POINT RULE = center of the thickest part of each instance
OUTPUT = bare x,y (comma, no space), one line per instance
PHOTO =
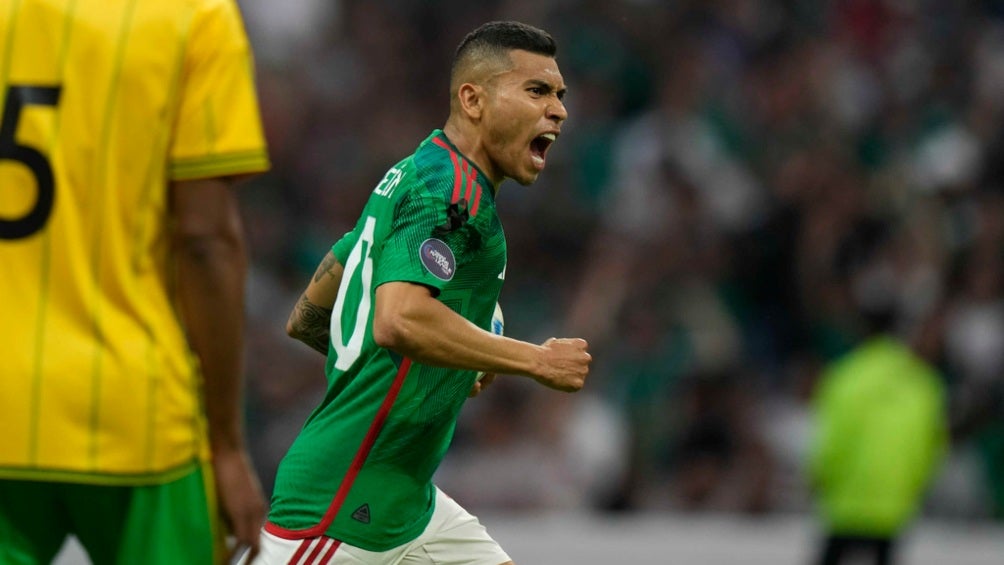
18,97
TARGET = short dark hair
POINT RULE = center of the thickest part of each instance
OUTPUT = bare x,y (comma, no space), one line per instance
496,39
507,36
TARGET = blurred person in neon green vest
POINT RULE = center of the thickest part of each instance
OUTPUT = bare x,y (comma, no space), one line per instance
881,432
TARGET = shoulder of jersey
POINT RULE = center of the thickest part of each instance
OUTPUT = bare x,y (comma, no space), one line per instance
438,169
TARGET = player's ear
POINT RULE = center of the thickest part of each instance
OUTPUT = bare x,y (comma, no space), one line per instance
472,99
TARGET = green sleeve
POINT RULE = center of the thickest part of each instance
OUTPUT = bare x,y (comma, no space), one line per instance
412,237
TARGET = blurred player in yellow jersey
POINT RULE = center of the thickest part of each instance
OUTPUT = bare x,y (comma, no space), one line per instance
123,124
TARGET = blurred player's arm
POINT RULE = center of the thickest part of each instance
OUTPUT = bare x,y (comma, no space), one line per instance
211,268
604,287
310,320
410,321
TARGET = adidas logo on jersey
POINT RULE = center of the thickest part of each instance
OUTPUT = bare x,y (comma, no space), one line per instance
362,514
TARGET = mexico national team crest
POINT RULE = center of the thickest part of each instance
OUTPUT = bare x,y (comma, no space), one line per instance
438,258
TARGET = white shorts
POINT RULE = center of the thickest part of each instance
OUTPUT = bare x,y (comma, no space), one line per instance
453,537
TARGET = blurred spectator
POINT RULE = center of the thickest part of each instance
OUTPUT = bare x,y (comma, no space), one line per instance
881,432
975,351
720,457
554,454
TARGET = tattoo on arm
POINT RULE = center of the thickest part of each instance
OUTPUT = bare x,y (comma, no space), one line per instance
311,324
324,268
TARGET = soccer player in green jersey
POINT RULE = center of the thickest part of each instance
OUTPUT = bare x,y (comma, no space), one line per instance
123,124
402,307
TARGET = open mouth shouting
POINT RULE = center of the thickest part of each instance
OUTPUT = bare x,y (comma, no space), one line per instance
539,147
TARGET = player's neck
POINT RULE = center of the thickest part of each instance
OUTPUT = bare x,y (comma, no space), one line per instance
469,142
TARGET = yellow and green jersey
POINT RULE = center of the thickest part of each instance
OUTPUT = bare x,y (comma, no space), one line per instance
104,103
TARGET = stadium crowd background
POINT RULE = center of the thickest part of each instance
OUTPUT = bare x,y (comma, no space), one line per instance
736,179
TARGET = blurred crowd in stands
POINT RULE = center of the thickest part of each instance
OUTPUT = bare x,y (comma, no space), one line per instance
737,179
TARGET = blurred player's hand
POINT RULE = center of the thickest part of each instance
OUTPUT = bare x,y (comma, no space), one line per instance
241,499
481,384
565,364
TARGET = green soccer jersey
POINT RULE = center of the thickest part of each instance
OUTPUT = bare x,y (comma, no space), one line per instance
361,469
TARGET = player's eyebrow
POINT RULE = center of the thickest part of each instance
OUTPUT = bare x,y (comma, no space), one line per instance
546,87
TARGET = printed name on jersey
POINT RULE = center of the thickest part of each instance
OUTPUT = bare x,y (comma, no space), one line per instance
389,182
438,258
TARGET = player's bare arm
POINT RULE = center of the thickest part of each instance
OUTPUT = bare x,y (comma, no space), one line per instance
212,262
310,320
310,324
327,268
410,321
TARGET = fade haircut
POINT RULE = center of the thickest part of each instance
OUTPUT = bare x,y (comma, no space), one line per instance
488,47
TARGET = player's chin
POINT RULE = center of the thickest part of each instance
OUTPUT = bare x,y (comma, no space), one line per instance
526,177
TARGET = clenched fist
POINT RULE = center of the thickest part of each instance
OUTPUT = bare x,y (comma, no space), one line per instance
564,364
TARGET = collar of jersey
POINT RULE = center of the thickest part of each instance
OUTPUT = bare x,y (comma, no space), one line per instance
482,177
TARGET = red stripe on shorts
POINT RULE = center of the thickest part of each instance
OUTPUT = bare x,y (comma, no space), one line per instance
331,552
300,551
321,543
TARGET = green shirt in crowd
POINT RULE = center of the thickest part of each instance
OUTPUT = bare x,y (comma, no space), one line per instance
881,432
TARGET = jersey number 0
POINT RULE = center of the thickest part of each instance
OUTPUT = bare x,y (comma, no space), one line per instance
359,264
